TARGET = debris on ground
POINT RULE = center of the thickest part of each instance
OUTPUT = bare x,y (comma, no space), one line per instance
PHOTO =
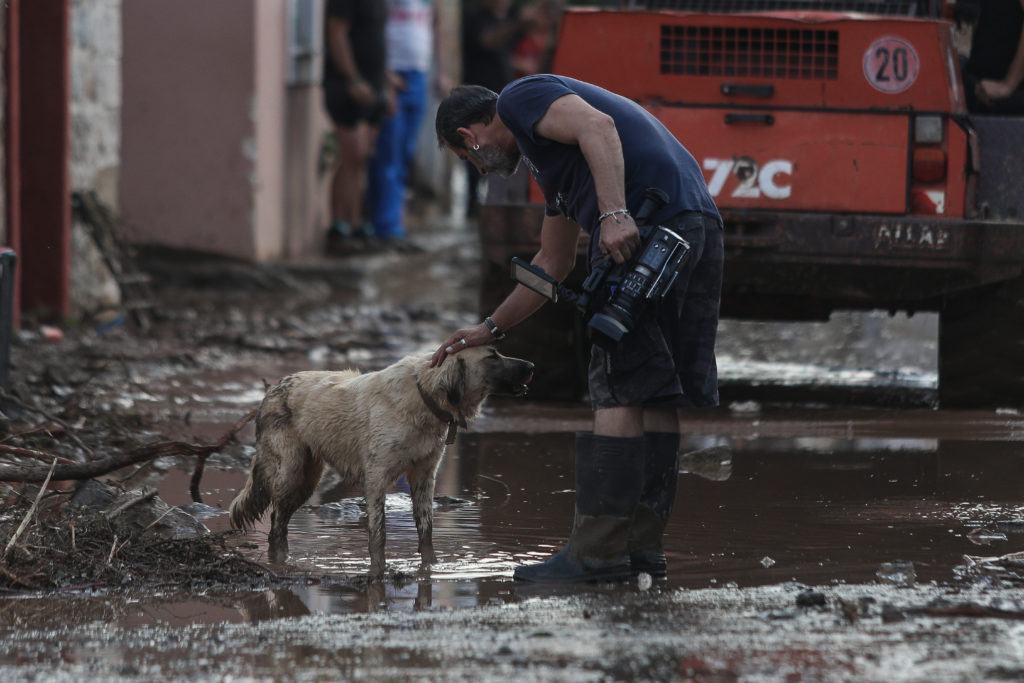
77,547
84,532
1002,569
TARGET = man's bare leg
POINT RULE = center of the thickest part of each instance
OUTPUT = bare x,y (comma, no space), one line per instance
349,182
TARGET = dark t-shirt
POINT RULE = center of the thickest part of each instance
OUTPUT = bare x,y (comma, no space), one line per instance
996,38
366,20
652,155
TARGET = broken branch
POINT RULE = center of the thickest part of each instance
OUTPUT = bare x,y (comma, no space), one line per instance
197,474
131,503
31,511
95,468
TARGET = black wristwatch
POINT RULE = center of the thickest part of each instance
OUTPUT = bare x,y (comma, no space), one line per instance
496,331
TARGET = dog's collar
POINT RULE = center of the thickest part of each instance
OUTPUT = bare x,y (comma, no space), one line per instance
442,415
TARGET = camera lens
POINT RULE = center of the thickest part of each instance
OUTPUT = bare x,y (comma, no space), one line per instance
606,331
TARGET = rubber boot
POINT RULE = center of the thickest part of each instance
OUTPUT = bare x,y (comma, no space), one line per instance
661,477
609,473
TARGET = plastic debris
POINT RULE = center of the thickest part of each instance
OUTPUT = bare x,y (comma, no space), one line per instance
983,536
897,573
51,334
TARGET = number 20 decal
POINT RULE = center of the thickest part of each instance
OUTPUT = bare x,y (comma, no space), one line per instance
891,65
753,181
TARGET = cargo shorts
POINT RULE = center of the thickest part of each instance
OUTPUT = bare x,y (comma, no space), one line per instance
668,360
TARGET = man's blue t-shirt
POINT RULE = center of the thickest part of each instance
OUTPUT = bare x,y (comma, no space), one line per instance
652,155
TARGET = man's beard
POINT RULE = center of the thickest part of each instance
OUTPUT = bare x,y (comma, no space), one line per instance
493,159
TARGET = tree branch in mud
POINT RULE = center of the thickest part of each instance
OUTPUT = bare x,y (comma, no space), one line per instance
10,398
87,470
29,453
197,473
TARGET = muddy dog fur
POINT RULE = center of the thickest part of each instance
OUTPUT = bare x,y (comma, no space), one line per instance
371,428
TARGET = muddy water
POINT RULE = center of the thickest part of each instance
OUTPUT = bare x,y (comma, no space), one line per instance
767,496
817,497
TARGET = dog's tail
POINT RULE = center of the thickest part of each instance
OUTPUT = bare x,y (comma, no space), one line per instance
249,505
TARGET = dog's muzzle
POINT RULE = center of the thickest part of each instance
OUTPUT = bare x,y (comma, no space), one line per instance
519,376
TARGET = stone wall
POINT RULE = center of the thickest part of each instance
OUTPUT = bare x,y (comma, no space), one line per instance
95,141
96,96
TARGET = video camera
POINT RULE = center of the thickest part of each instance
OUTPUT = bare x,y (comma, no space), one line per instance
615,296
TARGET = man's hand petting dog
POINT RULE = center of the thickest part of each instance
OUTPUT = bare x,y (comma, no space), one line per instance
467,337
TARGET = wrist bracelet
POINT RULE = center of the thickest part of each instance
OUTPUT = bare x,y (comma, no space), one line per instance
600,219
496,331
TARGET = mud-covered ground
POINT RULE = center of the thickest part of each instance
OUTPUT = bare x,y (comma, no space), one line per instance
757,634
810,541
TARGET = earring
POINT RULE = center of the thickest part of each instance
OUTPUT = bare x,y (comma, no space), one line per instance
476,148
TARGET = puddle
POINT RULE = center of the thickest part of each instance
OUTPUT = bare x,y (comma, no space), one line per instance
856,499
820,508
817,497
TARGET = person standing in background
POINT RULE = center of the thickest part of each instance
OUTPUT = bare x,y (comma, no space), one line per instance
994,73
411,51
532,53
357,98
490,31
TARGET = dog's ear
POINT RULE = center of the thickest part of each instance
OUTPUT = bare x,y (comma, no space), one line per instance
455,384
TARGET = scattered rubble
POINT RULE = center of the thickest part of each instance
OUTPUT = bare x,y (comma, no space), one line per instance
111,540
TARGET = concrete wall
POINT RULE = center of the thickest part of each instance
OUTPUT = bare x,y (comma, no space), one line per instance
189,145
269,107
306,188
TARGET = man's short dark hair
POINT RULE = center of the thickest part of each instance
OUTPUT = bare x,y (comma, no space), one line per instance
464,106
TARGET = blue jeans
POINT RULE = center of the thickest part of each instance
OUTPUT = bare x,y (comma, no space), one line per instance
393,157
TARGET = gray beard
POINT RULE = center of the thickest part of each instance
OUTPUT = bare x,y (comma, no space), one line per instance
495,160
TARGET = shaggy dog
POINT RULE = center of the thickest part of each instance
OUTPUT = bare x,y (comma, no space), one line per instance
371,428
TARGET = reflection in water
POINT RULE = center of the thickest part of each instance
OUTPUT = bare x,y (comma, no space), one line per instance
751,510
272,604
714,463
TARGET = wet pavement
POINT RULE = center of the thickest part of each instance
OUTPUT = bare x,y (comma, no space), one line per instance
875,508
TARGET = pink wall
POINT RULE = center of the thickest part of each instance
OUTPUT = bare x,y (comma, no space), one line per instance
268,188
202,124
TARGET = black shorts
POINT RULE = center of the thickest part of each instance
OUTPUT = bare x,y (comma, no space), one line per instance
668,360
346,112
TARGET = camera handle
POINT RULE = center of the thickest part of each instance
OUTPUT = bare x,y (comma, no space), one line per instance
655,200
